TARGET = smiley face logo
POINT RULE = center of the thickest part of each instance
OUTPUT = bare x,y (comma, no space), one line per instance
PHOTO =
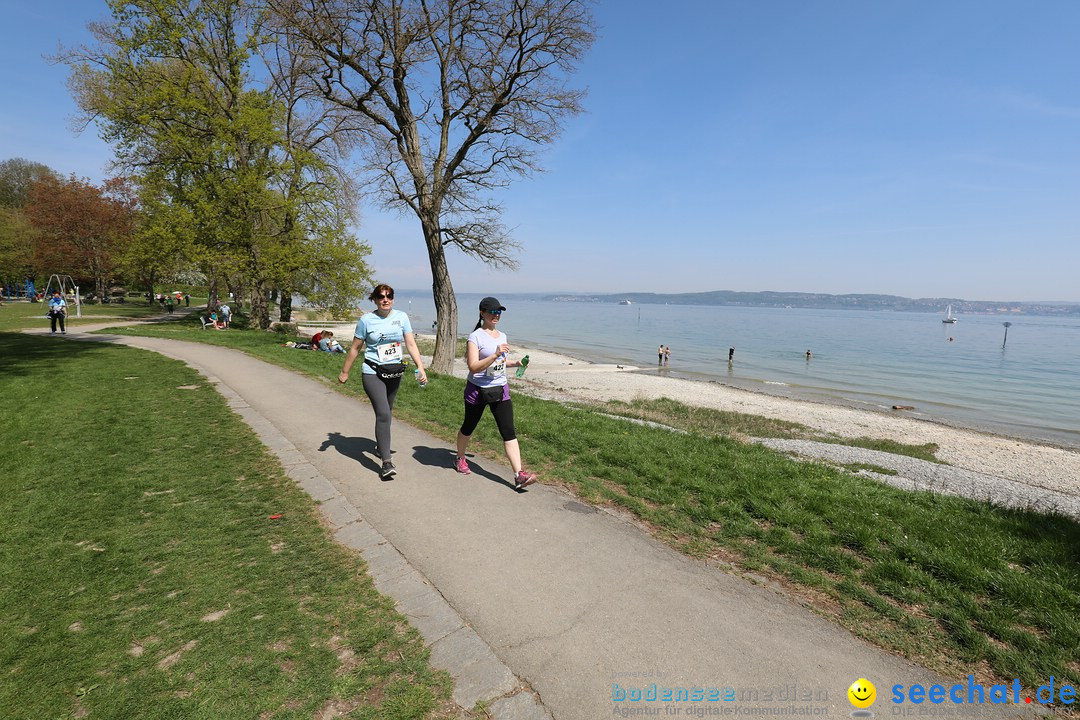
862,693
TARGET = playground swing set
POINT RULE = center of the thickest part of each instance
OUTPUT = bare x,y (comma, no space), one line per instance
68,289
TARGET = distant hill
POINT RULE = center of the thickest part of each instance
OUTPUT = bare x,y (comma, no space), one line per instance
830,302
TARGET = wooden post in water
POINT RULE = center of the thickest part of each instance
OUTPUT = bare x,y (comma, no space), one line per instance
1007,325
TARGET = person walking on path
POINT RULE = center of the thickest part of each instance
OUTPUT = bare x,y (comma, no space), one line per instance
485,354
226,314
379,335
57,312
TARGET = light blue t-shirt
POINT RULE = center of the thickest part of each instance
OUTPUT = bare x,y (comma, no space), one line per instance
57,303
495,374
384,338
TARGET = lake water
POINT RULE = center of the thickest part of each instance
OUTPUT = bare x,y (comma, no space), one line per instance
1030,388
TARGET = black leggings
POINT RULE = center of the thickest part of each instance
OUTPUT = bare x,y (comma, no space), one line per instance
503,410
57,317
381,393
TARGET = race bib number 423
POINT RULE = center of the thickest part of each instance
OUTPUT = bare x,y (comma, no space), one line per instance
498,367
390,353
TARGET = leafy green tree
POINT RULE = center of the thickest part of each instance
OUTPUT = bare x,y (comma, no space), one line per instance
324,261
16,175
452,99
16,246
162,242
171,85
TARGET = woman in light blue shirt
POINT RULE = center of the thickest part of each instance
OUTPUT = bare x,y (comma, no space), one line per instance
381,335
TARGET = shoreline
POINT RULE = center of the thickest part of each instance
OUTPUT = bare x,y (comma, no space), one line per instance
558,376
1050,437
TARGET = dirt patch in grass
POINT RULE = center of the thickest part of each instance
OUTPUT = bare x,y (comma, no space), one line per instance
336,709
345,655
169,660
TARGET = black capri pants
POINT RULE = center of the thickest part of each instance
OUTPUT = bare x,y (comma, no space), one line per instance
503,410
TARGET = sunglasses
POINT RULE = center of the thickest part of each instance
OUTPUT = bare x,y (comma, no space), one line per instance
381,296
496,313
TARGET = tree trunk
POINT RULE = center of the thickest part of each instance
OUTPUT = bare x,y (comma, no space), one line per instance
260,309
236,296
99,288
285,308
442,290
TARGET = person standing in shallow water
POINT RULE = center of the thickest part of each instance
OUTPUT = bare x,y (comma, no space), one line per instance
485,355
660,355
382,335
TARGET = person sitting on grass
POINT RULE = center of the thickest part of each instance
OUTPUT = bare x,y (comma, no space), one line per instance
324,340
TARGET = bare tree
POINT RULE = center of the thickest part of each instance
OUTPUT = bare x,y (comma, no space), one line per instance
457,97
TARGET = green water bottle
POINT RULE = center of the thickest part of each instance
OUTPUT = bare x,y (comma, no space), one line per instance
521,369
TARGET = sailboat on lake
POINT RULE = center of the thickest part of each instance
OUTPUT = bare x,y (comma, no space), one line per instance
948,319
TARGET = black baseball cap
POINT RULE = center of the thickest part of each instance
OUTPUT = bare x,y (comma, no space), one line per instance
490,304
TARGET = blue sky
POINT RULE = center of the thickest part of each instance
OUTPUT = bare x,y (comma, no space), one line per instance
911,148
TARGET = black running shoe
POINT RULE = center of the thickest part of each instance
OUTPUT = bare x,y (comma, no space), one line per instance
388,470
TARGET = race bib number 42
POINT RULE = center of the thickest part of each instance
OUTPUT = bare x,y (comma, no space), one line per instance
390,353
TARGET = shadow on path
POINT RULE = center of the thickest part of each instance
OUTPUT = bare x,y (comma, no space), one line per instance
361,449
443,458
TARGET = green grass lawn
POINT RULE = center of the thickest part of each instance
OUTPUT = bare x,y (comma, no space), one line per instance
143,576
20,315
956,584
710,422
